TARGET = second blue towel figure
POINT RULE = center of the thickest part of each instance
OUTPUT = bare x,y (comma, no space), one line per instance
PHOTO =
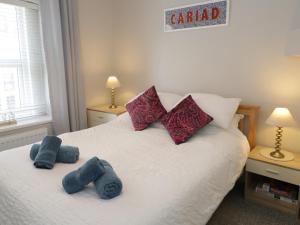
76,180
109,185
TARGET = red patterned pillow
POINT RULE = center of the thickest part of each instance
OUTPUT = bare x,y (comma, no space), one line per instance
185,120
145,109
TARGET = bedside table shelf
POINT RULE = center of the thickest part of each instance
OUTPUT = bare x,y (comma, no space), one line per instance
100,114
279,175
265,198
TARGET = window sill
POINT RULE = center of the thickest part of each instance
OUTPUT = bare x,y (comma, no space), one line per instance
26,123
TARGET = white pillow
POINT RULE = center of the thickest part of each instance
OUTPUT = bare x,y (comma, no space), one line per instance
169,100
220,108
236,120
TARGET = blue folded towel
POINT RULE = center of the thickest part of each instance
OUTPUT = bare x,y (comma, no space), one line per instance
76,180
66,154
108,185
48,150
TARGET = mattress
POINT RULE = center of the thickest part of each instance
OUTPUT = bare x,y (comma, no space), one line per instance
163,183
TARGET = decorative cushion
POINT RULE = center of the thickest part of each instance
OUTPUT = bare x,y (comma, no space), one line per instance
145,109
185,120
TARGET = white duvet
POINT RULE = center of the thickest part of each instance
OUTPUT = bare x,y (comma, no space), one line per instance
164,184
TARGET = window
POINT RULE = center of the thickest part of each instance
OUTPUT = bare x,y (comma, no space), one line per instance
23,88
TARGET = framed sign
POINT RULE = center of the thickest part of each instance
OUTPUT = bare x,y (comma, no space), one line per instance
202,15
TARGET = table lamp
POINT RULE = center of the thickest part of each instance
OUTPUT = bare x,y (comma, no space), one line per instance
280,117
113,83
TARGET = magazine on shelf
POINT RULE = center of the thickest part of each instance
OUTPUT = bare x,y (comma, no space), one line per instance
281,192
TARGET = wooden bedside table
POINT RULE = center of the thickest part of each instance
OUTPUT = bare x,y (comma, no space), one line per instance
100,114
261,170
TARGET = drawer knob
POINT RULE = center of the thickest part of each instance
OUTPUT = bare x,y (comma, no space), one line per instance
272,171
100,117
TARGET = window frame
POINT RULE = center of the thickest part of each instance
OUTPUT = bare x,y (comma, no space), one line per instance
19,65
34,4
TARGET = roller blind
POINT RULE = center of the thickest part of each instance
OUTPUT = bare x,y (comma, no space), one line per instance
23,89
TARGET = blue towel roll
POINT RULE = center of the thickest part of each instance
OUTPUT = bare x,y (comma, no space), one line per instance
109,185
48,150
66,154
76,180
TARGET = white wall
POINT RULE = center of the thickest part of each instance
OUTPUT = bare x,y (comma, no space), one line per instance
95,24
245,59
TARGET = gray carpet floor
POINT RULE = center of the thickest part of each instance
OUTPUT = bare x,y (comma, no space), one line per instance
234,210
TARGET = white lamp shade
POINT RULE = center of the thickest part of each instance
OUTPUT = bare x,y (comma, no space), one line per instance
112,82
281,117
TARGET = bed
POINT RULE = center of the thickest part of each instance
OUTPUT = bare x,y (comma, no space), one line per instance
163,183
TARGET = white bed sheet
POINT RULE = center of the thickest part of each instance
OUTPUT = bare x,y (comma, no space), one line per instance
163,183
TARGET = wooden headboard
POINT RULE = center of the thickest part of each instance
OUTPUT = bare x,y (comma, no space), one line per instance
248,124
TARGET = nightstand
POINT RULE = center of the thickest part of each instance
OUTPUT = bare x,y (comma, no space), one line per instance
284,178
100,114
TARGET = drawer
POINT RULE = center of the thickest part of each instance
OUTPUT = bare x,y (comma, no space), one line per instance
277,172
96,118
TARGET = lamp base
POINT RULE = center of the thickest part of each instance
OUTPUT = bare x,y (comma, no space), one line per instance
270,153
277,154
113,106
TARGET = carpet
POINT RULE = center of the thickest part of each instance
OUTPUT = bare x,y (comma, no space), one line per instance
234,210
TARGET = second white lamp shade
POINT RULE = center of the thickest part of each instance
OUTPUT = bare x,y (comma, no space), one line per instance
281,117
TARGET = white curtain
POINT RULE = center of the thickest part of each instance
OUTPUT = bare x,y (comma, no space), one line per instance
52,36
71,43
60,34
